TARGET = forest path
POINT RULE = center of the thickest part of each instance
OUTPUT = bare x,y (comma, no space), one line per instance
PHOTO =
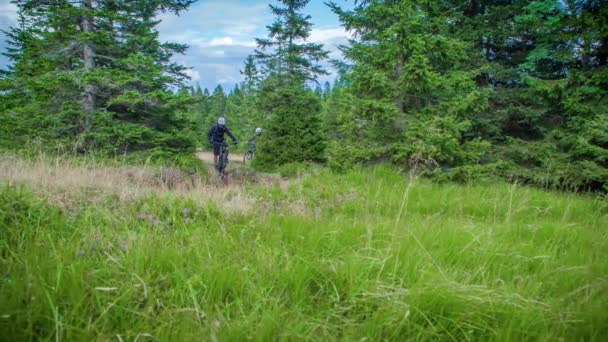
208,157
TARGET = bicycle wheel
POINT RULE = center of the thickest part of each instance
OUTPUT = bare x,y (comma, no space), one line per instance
224,163
221,165
247,156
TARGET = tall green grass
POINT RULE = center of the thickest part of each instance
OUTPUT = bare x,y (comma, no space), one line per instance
368,255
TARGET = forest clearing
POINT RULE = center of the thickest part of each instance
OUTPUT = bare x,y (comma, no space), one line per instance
399,170
366,254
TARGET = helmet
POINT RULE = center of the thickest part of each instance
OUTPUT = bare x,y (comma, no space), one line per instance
221,121
258,130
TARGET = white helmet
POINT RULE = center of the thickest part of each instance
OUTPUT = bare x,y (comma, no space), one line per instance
258,130
221,121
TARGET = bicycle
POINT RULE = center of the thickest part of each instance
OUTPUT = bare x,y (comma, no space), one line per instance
222,162
250,152
251,142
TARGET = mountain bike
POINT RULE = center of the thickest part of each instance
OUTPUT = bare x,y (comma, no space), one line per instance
250,151
222,162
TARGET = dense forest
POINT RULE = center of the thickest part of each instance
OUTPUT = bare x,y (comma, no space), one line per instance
456,89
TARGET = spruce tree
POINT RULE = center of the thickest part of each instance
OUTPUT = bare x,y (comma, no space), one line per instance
546,60
96,76
293,132
413,84
217,104
326,90
198,92
285,53
251,75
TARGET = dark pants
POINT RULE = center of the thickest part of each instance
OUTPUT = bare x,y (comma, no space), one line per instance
216,152
216,149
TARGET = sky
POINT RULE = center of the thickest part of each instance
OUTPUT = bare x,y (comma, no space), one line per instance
221,34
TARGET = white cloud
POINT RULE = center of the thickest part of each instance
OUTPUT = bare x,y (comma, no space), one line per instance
227,17
221,41
227,41
195,76
331,38
220,35
329,35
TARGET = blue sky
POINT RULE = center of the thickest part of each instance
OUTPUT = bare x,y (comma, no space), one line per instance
221,34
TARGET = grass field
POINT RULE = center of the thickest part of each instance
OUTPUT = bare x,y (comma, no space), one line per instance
109,253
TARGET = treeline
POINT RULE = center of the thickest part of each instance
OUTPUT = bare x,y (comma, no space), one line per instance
238,105
458,89
470,88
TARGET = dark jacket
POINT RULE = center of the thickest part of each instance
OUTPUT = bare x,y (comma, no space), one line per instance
216,134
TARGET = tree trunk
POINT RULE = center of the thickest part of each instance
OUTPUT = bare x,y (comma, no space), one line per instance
602,56
89,64
398,73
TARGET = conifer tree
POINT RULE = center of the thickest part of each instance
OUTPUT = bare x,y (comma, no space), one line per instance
326,89
546,60
285,53
251,75
293,132
413,85
95,75
198,92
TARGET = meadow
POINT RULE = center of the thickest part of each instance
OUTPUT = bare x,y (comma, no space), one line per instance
100,252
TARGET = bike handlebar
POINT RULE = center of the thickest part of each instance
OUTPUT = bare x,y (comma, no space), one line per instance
225,143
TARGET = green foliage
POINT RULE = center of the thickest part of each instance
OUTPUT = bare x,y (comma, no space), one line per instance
413,90
445,83
293,133
95,76
344,156
465,88
437,140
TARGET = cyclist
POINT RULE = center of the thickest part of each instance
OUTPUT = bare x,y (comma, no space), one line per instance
258,131
251,142
216,137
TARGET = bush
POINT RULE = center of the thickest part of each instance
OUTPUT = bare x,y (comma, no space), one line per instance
345,156
293,133
436,143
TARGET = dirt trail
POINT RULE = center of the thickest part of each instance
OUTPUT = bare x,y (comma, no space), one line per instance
208,157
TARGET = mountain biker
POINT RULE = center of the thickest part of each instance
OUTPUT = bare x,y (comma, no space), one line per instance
258,132
251,142
216,137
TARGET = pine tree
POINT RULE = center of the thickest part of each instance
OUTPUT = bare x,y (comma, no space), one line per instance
546,59
293,132
251,74
290,57
98,73
293,135
413,84
198,92
326,89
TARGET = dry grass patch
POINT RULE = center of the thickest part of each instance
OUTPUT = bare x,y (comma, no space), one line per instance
67,183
